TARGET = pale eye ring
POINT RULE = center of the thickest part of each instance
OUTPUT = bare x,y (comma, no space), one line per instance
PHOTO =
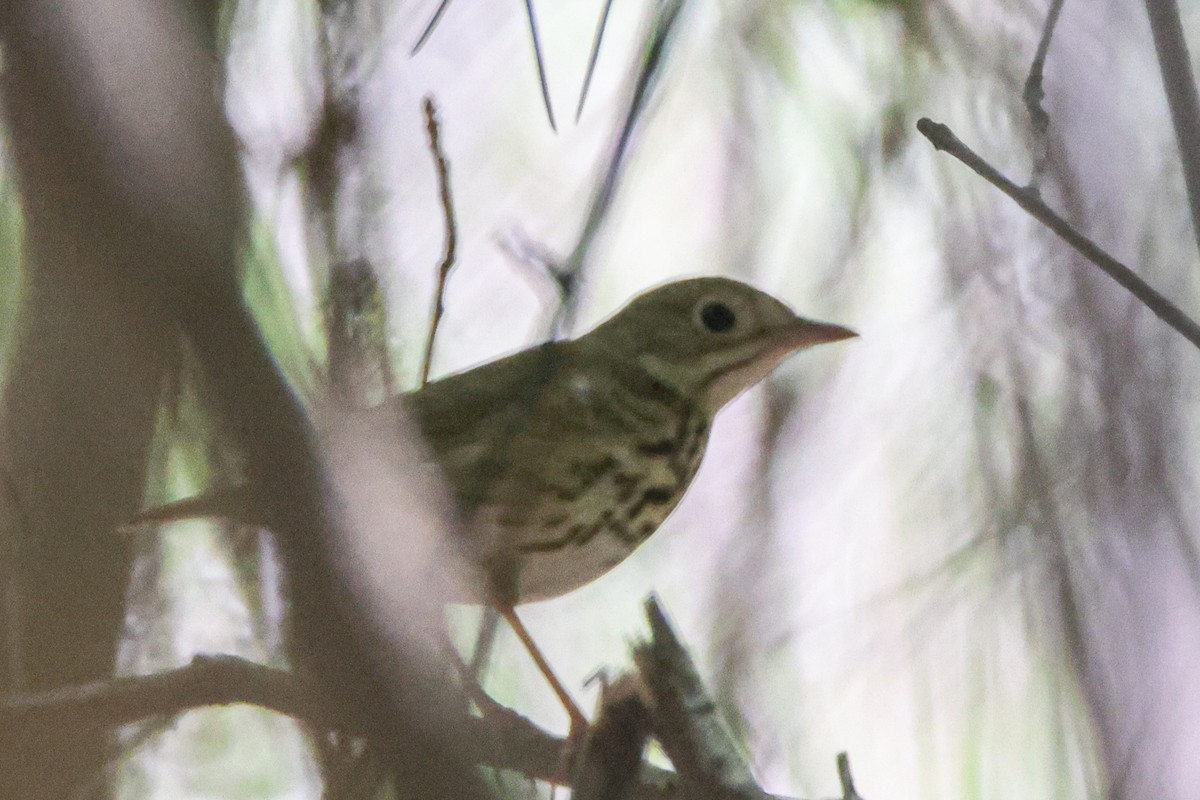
717,317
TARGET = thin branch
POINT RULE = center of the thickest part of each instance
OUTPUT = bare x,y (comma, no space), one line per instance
229,680
502,738
443,173
206,681
846,779
1180,86
433,21
663,27
541,63
942,138
1034,95
538,57
591,67
660,38
566,272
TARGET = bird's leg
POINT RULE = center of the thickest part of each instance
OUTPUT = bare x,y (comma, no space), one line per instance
579,723
490,709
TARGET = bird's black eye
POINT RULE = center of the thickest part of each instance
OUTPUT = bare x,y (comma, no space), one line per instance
718,317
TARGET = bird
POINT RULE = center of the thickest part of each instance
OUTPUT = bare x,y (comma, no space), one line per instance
565,457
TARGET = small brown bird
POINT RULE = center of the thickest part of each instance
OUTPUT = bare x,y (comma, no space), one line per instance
575,452
564,457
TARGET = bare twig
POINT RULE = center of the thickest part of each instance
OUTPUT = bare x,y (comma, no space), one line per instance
663,27
1034,95
433,21
502,738
207,680
538,57
541,63
846,779
1180,86
942,138
591,67
443,173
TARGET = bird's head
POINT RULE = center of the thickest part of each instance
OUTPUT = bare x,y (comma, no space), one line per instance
709,338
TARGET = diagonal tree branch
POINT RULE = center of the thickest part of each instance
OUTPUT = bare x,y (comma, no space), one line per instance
502,739
942,138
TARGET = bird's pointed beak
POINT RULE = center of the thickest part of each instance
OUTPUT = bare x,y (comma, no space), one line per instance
783,341
807,333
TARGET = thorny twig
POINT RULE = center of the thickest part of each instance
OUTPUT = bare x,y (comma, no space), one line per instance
942,138
443,173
